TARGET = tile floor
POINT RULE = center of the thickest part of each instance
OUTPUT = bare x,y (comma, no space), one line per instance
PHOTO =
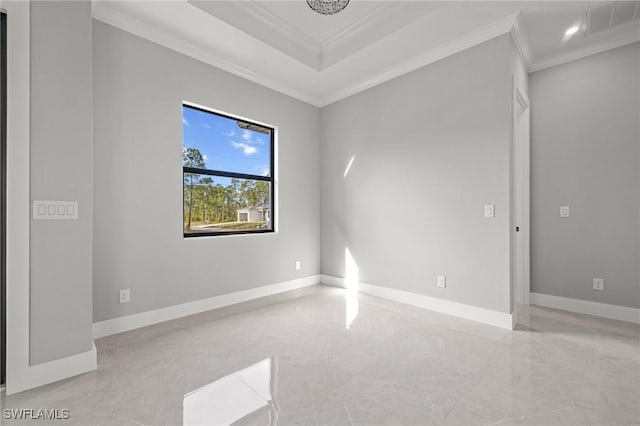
393,365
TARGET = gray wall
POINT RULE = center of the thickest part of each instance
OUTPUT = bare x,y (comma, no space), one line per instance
431,149
585,154
138,92
61,169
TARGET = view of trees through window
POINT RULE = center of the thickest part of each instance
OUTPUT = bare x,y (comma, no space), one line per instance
227,176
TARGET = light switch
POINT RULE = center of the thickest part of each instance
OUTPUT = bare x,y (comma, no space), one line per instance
55,210
564,211
489,210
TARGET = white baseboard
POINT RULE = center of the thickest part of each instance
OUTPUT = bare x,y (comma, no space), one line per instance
621,313
143,319
474,313
514,316
52,371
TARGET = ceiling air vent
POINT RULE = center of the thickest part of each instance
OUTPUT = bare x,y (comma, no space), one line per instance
611,15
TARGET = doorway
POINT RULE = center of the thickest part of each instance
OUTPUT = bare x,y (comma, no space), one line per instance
3,194
521,199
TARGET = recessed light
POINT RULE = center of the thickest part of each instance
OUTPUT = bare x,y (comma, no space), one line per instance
572,30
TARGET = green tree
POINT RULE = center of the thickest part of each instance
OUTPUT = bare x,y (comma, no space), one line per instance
206,183
191,157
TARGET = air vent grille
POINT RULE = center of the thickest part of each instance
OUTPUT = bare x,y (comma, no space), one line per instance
612,14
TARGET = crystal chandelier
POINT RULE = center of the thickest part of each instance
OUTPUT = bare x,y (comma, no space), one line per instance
327,7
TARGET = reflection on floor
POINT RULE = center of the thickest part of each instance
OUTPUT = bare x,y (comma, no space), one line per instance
393,365
235,397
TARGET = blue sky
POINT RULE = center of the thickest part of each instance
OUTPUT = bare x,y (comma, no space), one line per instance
224,145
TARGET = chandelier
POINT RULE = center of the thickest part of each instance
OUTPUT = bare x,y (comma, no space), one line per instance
327,7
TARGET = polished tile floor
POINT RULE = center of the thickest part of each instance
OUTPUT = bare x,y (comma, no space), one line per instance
320,357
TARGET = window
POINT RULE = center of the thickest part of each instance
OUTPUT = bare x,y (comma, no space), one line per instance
227,170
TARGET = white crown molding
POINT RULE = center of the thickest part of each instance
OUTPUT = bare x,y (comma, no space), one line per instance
370,20
604,310
461,310
249,15
280,25
104,12
157,33
486,33
521,40
562,58
143,319
388,16
252,15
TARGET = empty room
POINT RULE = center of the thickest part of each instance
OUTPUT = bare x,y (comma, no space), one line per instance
319,212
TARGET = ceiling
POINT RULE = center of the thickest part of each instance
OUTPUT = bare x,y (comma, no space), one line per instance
320,59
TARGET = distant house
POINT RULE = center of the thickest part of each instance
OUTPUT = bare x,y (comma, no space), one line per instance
259,213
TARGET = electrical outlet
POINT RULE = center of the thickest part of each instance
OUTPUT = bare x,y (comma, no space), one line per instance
298,265
442,281
598,284
125,295
564,211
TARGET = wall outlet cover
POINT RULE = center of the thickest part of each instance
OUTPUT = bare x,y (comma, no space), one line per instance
564,211
598,284
442,281
125,295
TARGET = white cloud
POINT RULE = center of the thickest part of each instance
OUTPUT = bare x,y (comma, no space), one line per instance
231,134
205,125
205,157
246,135
185,122
247,149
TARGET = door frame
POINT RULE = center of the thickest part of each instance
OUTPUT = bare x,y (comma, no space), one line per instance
3,194
19,373
521,199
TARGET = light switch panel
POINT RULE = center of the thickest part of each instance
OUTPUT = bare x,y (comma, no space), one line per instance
489,210
55,210
564,211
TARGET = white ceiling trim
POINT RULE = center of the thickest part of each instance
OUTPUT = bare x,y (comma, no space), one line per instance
280,25
371,19
104,13
486,33
563,58
389,16
254,15
521,40
247,16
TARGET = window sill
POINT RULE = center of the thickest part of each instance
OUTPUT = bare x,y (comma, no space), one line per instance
195,236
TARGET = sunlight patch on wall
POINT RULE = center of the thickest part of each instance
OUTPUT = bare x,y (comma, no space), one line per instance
352,278
346,171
